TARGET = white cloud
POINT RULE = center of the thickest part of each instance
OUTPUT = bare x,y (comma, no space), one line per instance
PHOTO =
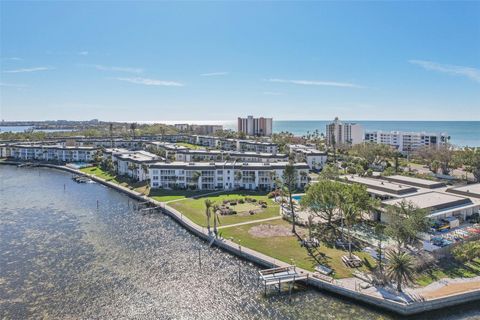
83,53
12,59
213,74
28,70
118,69
316,83
151,82
469,72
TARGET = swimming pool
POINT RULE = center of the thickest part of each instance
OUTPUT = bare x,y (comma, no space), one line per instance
297,197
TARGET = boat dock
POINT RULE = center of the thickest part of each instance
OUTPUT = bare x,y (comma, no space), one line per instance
278,276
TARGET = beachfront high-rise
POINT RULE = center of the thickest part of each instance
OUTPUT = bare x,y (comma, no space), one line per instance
255,126
339,133
407,141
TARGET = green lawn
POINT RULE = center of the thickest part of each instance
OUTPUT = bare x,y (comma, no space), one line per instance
287,248
449,269
168,195
194,209
189,145
141,187
97,171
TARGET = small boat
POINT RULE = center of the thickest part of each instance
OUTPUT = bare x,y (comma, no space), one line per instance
81,179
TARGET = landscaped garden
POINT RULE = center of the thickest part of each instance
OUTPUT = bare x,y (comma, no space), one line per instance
274,238
234,207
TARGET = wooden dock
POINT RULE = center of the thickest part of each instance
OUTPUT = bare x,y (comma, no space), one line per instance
281,275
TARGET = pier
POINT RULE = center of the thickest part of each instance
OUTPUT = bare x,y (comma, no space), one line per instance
279,275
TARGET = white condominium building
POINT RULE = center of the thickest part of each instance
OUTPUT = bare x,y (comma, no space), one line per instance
407,141
313,157
134,164
57,153
222,175
340,133
255,126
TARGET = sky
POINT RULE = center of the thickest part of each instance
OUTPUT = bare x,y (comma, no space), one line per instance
169,61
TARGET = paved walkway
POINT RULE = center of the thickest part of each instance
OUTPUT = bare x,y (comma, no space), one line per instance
249,222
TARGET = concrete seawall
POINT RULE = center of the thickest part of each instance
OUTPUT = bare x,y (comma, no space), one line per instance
267,261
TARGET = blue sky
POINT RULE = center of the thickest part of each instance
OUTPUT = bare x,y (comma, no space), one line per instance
157,61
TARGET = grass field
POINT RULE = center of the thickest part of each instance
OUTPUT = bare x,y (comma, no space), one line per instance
449,269
288,249
139,186
194,209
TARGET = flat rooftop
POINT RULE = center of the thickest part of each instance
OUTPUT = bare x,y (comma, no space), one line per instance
417,182
381,185
139,156
471,190
433,201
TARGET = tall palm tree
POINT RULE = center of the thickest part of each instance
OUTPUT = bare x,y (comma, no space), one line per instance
196,177
208,213
133,126
400,268
215,219
289,180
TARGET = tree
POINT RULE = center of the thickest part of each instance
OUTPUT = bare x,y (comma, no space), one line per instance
443,158
133,127
208,205
215,219
353,201
470,157
238,176
330,171
289,181
374,154
380,233
400,268
322,199
467,252
196,177
406,221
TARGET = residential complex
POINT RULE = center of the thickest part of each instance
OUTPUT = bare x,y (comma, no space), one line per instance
255,126
222,175
407,141
343,133
199,128
313,157
54,152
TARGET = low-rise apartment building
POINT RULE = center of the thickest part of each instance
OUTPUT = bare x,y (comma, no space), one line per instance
57,153
314,158
189,155
134,164
222,175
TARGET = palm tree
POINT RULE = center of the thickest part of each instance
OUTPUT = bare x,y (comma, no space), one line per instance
380,232
289,180
133,126
215,219
238,176
208,205
400,268
196,177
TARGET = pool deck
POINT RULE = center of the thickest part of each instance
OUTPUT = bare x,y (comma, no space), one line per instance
414,301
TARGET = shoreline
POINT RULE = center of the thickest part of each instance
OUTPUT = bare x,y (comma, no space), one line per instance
455,297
